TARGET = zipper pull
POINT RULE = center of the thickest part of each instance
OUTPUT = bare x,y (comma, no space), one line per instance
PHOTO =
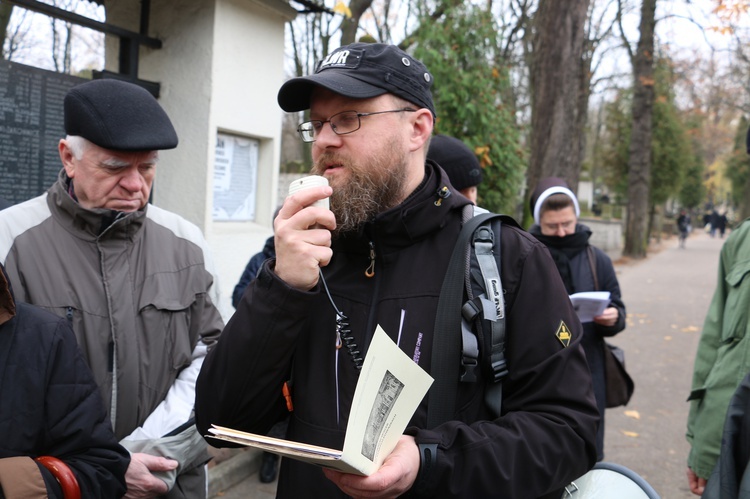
370,271
442,193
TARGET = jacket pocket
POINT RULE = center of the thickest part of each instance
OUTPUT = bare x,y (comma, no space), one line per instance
735,307
165,309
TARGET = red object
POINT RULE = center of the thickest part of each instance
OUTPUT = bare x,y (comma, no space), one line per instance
63,474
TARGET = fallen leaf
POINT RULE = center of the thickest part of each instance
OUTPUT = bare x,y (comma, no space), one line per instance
630,434
633,414
689,329
667,338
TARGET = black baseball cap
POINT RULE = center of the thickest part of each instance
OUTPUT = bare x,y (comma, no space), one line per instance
118,115
362,71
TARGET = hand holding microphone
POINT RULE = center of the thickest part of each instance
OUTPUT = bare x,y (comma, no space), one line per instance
302,234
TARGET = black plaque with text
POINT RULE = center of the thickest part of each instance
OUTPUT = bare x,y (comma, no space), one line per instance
31,125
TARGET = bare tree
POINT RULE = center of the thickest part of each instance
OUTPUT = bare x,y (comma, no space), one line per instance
6,9
639,160
556,82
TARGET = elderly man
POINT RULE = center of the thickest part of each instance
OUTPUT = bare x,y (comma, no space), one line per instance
135,281
382,252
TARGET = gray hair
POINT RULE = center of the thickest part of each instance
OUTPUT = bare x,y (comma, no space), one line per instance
77,145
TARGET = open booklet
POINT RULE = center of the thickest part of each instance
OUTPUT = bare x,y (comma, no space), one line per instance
589,304
389,390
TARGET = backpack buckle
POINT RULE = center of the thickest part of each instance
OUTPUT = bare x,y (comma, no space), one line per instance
469,374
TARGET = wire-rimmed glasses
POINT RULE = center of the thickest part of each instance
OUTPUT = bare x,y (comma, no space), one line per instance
341,123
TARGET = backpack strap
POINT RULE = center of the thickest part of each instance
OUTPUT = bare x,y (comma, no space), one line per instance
455,315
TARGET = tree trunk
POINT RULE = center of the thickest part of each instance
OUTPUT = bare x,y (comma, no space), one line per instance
639,162
5,11
555,75
349,26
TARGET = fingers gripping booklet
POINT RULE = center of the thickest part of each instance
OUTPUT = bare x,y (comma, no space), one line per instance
389,390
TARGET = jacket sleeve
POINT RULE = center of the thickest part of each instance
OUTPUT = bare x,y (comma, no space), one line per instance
247,276
79,432
608,282
546,435
252,359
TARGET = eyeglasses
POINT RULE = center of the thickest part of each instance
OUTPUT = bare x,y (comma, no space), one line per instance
341,123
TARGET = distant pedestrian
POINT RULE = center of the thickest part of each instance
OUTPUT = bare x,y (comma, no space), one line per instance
722,224
714,221
683,226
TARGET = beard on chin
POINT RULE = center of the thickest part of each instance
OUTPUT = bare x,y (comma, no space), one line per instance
367,190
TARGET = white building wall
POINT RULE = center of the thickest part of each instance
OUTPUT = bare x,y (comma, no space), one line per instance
220,69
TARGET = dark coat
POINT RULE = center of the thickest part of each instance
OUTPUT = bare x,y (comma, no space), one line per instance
730,478
546,435
50,405
251,270
593,334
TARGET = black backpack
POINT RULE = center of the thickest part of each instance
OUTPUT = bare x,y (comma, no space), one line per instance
471,301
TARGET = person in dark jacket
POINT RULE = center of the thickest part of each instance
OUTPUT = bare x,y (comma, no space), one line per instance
730,478
583,267
382,252
252,267
50,407
459,162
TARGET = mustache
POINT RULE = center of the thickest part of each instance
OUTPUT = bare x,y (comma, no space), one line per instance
328,158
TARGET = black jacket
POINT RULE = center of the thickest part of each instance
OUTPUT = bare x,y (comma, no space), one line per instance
730,478
50,405
582,279
545,437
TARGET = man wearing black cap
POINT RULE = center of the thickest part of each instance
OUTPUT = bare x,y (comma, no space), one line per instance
381,252
135,281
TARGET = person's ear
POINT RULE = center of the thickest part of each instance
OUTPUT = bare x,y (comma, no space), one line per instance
421,131
67,158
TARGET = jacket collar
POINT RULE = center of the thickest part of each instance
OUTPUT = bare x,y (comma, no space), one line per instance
90,224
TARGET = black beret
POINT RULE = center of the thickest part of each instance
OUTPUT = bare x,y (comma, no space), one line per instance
458,161
117,115
361,71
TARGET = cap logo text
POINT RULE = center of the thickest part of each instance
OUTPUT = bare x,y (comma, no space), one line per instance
337,59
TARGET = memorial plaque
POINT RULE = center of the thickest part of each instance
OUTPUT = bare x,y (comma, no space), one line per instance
31,125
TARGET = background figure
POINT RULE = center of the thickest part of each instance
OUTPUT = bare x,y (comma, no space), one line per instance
269,461
50,406
683,226
722,224
459,162
379,257
135,281
722,359
253,265
583,267
714,221
730,478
